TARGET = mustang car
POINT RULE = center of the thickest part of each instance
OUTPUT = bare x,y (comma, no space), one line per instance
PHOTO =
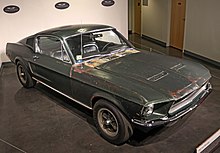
95,66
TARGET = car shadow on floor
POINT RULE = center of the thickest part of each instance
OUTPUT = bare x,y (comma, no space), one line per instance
157,134
139,138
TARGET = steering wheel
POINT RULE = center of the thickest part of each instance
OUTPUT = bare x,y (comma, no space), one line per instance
106,45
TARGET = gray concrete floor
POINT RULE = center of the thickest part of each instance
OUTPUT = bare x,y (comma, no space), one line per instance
39,120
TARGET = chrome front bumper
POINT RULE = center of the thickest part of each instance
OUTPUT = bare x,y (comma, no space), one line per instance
192,103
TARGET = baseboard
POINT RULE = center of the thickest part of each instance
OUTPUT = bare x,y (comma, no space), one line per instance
202,58
2,66
163,44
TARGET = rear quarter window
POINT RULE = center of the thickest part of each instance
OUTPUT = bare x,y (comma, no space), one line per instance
30,42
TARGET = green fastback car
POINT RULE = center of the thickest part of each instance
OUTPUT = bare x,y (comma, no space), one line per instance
95,66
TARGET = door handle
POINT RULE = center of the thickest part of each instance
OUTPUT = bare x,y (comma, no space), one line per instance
35,57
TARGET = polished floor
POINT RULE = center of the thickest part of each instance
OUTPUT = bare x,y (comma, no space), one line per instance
39,120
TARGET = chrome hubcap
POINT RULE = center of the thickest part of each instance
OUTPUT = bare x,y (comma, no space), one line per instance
108,122
21,74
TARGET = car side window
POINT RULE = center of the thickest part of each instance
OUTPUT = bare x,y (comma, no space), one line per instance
30,42
51,46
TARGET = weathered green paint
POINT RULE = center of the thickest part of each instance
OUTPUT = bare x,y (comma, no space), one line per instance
131,79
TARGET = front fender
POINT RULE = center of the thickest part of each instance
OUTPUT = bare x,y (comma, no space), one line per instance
107,96
128,108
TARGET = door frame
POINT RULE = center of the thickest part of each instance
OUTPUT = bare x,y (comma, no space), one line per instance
170,26
140,17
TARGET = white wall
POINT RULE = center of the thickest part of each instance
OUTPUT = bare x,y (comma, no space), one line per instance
35,16
156,20
203,28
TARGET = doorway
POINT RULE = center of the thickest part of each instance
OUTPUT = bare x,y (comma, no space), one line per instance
137,17
178,10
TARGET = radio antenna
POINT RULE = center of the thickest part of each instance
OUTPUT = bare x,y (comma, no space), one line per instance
81,31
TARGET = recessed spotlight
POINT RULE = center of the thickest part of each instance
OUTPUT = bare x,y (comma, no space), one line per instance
62,5
11,9
108,2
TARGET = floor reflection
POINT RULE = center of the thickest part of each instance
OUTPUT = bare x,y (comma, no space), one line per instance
144,44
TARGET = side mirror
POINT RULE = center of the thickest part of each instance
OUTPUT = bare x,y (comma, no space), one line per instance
66,58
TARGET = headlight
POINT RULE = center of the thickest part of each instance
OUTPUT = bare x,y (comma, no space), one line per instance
148,110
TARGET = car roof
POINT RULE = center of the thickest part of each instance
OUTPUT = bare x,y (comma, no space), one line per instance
65,31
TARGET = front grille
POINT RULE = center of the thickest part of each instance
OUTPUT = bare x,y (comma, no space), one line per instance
189,99
183,98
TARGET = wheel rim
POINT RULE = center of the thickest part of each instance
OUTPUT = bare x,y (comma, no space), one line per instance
108,122
21,74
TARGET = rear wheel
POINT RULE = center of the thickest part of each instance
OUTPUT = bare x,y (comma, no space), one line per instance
24,77
111,123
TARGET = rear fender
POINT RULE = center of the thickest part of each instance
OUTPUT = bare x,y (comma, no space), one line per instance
23,62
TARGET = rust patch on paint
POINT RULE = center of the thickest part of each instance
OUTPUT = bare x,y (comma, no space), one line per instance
102,59
184,91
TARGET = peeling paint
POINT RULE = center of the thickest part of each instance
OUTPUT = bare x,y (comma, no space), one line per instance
109,57
95,62
184,91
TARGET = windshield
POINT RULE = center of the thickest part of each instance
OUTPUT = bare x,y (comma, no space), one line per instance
94,44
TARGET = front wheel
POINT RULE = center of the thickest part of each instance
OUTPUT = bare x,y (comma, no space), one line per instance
111,123
24,77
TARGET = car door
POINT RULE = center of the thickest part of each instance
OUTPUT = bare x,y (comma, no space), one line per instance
51,63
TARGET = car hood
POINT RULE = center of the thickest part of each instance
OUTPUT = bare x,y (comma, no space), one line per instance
153,76
172,76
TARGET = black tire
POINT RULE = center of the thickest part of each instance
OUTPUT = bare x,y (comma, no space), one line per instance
111,123
24,76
